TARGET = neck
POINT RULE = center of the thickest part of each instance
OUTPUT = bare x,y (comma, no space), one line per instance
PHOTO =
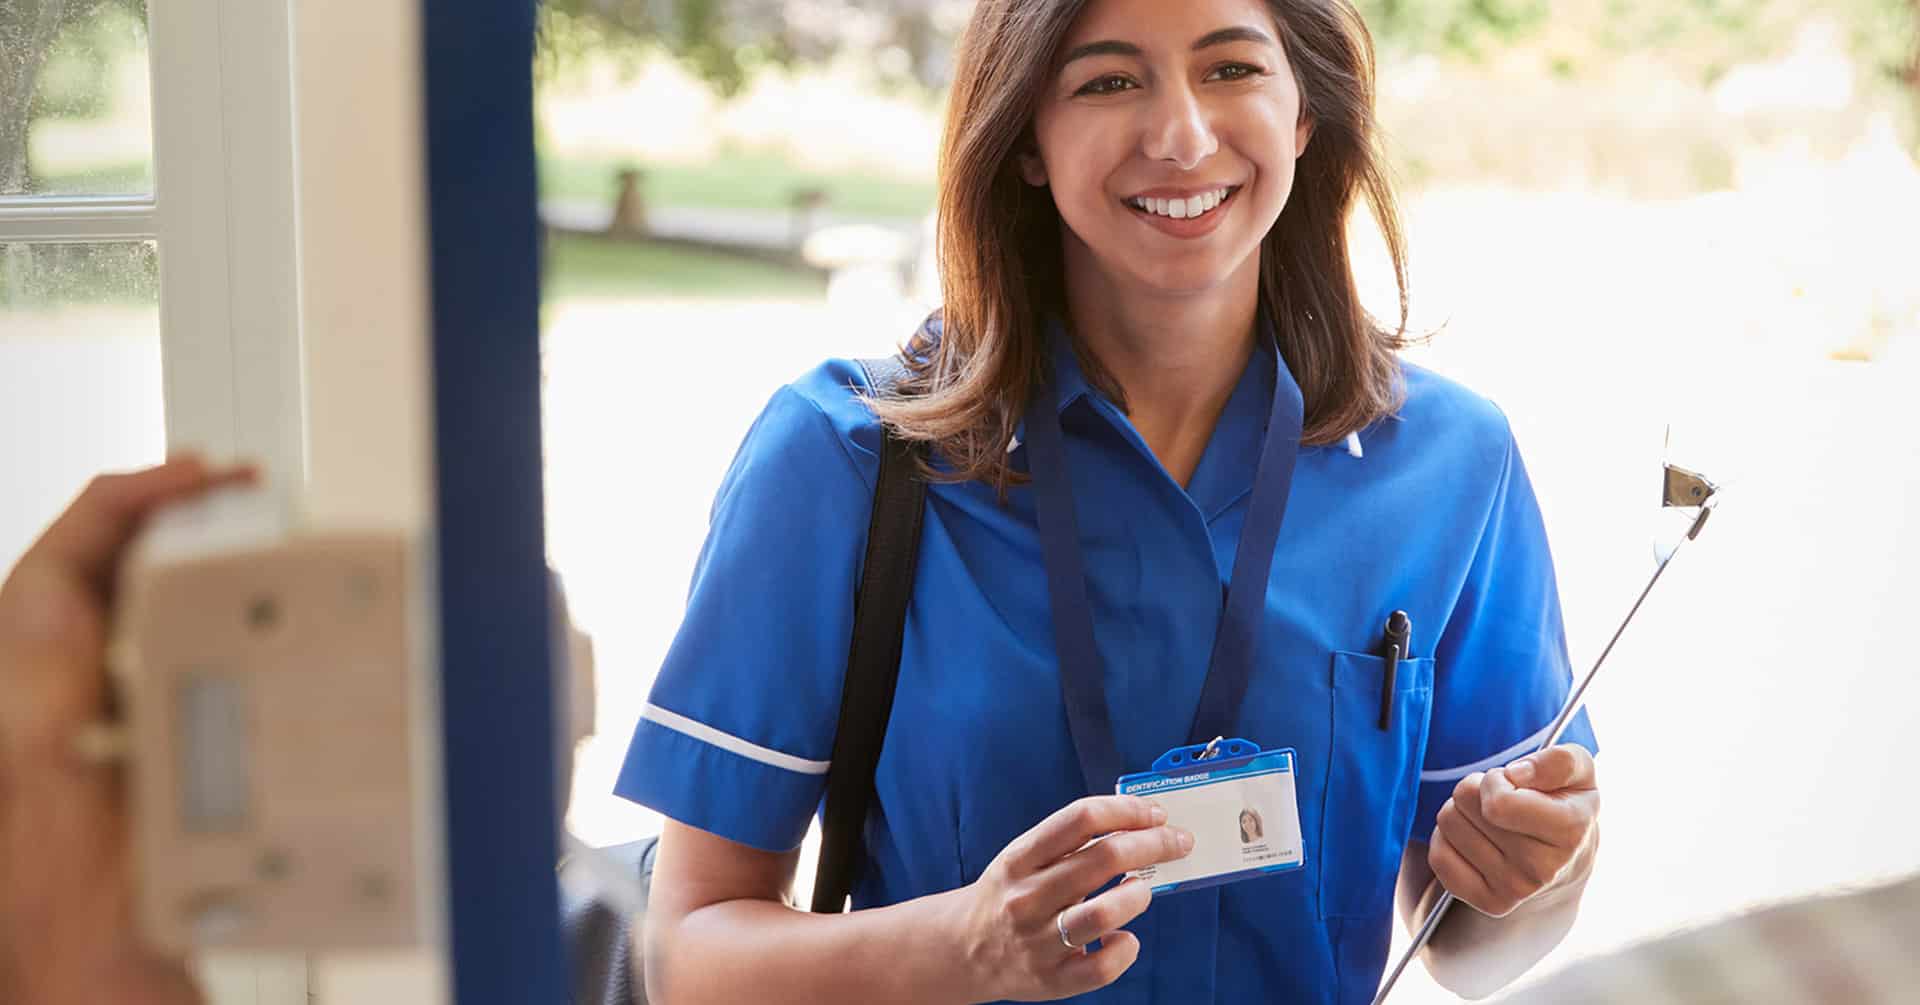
1177,358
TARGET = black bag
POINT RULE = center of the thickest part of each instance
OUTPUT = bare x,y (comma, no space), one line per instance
599,933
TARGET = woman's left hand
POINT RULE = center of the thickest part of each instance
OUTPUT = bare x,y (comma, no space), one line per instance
1511,835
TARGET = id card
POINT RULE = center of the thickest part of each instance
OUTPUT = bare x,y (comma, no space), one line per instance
1240,806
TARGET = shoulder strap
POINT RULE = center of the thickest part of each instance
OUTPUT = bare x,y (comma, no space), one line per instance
873,658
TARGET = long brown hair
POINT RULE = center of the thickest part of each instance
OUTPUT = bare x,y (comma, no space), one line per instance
976,362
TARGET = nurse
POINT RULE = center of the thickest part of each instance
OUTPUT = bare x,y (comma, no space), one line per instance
1152,387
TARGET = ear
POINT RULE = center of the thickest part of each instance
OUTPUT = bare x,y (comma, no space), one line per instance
1302,135
1033,169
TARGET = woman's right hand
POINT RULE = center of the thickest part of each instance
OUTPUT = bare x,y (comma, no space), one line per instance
1011,918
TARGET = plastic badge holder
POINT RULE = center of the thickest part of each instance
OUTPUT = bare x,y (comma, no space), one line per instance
1239,802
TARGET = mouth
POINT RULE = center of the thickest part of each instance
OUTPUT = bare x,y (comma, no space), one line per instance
1191,208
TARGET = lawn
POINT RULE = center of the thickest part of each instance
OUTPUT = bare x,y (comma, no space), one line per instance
733,181
589,267
740,181
575,268
130,178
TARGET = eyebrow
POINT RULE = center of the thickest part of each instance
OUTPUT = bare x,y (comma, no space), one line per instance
1223,36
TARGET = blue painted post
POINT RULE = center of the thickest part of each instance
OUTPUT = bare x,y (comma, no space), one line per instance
497,698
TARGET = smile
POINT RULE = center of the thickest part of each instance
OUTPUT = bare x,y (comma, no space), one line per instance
1185,209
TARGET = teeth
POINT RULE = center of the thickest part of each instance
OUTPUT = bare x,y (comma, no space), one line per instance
1183,209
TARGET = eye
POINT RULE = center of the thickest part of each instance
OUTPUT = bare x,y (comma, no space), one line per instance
1112,83
1236,71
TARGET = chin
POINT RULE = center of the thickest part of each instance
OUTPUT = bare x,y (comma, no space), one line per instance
1185,278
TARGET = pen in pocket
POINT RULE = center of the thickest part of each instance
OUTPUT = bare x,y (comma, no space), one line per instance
1396,647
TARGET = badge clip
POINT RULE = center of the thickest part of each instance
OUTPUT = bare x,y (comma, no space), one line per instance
1210,754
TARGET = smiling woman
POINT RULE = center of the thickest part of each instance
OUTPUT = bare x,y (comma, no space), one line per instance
1134,541
1136,124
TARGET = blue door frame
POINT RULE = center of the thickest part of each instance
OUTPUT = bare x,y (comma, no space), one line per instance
497,702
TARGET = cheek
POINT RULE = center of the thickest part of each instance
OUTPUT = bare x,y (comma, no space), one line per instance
1275,151
1081,151
1079,184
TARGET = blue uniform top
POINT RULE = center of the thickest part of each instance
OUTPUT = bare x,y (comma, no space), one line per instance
1428,511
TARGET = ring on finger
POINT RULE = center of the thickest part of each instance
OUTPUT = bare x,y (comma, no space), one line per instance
1060,923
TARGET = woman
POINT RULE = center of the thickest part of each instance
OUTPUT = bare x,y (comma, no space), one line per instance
1250,829
1151,343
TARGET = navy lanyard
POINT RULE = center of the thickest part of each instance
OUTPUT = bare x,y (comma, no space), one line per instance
1244,607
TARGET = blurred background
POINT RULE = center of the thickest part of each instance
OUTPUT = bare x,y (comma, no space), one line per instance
1648,229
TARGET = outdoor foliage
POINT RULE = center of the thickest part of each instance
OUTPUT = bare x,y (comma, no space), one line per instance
724,40
54,55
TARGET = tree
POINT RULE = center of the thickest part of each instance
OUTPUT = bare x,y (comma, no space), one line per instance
725,40
722,40
29,31
1452,26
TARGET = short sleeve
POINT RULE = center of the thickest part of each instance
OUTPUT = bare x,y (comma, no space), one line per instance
1501,672
738,729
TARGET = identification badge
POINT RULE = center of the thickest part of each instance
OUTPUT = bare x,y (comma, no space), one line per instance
1238,802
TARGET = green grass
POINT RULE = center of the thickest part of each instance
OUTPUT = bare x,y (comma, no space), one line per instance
134,178
587,267
57,275
733,181
739,181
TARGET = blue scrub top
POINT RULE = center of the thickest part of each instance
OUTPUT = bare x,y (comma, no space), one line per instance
1430,512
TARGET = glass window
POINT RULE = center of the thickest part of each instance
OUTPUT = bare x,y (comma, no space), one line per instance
80,379
75,103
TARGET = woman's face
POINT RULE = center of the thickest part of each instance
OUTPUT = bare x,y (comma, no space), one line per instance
1168,136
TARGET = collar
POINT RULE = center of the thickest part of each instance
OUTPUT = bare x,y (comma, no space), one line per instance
1070,381
1072,385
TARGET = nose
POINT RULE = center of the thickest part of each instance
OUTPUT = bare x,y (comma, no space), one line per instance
1178,131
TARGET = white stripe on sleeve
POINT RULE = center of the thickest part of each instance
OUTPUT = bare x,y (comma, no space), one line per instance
732,744
1500,760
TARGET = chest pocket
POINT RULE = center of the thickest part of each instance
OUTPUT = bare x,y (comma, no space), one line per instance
1373,780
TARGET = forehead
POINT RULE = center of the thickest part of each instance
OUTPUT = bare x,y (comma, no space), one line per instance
1160,23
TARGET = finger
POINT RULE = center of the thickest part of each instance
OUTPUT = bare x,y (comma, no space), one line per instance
1513,866
1513,843
1466,792
1107,913
89,536
1557,820
1092,867
1471,840
1084,972
1073,825
1457,874
1568,766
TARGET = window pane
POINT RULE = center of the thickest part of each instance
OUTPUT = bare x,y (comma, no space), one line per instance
75,107
80,385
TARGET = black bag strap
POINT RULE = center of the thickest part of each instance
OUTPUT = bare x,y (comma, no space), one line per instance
873,658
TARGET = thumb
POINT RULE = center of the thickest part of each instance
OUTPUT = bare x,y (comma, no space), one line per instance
1563,767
